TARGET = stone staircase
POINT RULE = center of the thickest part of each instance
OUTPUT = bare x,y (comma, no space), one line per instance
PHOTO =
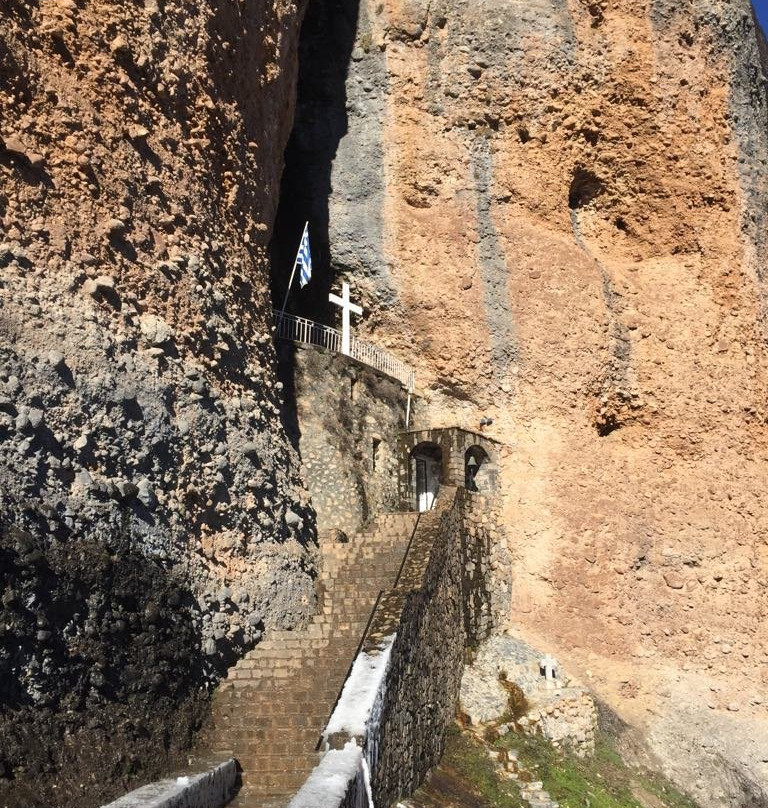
271,710
531,790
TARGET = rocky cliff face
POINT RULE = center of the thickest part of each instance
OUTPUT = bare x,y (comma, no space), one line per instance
556,209
152,521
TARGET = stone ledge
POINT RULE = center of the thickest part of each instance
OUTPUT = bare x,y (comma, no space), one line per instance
332,779
210,789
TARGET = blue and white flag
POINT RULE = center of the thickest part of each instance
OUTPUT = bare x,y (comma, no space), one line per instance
304,259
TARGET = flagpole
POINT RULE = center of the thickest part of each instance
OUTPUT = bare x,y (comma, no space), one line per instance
290,282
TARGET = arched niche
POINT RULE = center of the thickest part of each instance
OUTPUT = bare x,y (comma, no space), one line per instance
479,471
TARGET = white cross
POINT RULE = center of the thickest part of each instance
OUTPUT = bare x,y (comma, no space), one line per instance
346,308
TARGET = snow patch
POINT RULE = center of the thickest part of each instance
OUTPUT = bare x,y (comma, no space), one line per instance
358,697
367,780
329,782
358,706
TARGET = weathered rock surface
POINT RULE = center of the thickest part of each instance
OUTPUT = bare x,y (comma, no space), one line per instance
556,210
141,148
504,686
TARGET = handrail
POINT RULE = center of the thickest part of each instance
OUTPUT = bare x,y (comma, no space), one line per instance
300,329
407,551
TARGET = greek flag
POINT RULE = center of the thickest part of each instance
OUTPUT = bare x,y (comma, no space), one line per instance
304,259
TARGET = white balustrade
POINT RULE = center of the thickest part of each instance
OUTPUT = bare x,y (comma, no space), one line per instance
307,332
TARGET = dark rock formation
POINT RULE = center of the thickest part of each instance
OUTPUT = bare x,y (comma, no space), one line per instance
152,519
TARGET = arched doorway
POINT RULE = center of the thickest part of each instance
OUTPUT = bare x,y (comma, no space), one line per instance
426,473
476,469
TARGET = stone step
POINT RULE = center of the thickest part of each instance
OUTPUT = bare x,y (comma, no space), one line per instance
385,570
385,550
534,796
378,545
277,700
291,759
386,555
244,799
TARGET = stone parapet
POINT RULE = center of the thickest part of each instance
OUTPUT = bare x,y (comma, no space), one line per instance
208,789
425,611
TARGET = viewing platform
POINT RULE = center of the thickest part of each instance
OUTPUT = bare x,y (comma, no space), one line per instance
307,332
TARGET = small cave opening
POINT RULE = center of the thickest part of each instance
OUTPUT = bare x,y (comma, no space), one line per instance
606,425
586,186
320,122
621,224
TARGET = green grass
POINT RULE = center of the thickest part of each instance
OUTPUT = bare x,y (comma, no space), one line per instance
600,781
468,778
468,758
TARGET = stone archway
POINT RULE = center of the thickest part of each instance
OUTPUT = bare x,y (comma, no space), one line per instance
426,474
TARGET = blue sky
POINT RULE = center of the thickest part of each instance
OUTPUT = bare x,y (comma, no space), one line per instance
761,7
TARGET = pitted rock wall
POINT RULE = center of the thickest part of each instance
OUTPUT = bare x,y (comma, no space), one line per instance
152,517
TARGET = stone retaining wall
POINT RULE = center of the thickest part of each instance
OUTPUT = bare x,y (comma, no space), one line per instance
349,414
208,789
487,565
426,611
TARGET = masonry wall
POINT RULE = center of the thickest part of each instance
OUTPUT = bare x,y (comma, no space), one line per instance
349,417
487,565
422,684
453,444
441,602
448,597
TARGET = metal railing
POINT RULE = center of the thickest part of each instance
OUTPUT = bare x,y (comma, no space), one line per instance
307,332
